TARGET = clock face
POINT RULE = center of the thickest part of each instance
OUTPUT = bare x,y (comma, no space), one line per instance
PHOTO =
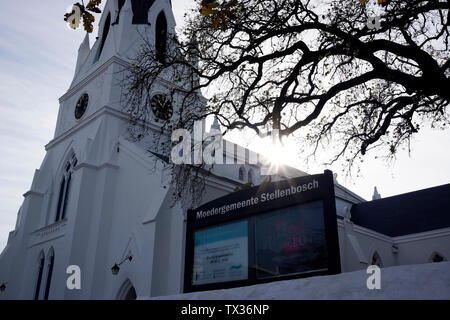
161,107
82,104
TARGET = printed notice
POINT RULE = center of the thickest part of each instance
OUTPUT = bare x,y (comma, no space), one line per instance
221,254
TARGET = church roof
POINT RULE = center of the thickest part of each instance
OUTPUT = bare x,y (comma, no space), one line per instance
413,212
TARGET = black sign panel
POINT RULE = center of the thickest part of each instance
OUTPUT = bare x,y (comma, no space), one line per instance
276,231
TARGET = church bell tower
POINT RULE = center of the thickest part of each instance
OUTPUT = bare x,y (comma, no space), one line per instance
95,201
124,26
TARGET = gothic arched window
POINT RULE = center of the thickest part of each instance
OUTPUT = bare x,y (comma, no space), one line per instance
131,294
376,260
37,288
104,35
64,189
241,173
161,37
121,3
140,10
127,291
250,178
50,266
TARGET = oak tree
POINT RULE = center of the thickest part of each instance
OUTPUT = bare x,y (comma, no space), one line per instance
316,66
350,75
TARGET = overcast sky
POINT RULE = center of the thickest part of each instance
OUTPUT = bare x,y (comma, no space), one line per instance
37,61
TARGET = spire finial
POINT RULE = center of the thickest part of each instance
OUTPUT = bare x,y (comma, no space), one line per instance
215,125
83,53
375,195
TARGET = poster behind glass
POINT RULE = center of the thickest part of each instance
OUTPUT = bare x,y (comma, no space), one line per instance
221,254
291,241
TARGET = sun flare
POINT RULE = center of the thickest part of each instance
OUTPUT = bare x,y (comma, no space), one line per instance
278,152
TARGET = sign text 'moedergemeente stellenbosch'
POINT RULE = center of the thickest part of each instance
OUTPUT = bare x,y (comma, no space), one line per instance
254,200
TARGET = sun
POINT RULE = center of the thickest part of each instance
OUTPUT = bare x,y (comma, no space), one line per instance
278,152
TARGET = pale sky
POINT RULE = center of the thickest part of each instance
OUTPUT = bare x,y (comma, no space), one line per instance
37,60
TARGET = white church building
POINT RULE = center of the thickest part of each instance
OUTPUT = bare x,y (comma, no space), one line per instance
98,201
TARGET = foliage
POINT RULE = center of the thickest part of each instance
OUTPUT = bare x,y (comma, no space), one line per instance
219,13
310,67
313,69
86,14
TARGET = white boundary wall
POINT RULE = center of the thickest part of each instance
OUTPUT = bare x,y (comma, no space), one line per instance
425,281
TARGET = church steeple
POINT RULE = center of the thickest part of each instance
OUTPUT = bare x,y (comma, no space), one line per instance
376,195
123,27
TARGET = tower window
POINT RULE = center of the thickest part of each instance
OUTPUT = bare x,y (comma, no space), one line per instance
64,189
121,3
161,37
140,10
104,35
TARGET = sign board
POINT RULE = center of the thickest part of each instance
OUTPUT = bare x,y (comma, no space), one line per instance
275,231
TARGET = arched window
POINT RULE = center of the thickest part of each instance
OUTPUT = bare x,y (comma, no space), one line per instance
241,173
37,288
127,291
376,260
131,294
140,10
437,257
104,35
51,263
161,37
250,177
64,189
120,4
